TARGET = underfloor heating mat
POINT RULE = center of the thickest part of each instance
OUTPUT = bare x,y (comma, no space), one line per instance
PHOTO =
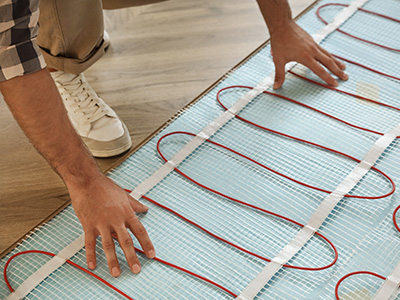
246,175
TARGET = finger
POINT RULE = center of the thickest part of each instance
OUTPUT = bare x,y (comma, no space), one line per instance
141,234
340,64
109,250
90,246
279,74
332,66
126,243
322,73
137,206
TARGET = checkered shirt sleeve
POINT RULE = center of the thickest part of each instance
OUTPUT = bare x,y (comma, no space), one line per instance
19,53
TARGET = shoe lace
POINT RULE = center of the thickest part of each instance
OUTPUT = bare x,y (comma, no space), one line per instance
84,98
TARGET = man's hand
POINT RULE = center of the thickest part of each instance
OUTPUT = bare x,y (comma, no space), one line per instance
289,42
292,43
105,209
102,206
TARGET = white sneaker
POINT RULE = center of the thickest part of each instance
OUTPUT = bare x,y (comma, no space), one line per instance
99,126
107,40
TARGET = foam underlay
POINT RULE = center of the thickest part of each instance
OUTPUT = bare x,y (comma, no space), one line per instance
361,229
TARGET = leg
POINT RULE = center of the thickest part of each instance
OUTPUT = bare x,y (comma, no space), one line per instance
71,38
71,34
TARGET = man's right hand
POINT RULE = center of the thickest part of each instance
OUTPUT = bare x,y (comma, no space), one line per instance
291,43
104,209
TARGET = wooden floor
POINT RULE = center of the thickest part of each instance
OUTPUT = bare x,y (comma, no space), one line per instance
162,56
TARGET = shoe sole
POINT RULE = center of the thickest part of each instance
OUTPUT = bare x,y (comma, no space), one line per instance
109,148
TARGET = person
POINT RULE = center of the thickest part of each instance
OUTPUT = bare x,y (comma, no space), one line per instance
42,82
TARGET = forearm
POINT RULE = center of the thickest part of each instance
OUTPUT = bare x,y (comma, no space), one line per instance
37,106
276,13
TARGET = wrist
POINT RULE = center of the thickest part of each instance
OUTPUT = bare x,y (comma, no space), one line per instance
277,14
80,172
281,28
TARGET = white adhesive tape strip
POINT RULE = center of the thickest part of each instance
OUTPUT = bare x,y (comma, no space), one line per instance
390,286
53,264
319,216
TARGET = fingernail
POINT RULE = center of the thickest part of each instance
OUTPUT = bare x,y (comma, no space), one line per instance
91,265
343,66
135,268
146,207
115,272
345,76
152,254
335,84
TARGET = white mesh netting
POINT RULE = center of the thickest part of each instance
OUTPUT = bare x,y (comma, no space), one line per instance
361,229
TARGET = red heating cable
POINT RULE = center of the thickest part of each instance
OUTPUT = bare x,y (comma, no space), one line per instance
357,96
307,142
365,67
318,12
349,94
276,172
106,282
192,273
351,274
245,250
366,272
69,262
395,219
306,106
283,97
370,100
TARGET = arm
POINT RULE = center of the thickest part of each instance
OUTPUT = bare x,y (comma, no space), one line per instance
102,207
289,42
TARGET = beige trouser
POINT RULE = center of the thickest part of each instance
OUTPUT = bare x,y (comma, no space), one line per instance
71,31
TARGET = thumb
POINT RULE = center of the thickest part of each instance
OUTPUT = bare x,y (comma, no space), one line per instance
279,75
137,206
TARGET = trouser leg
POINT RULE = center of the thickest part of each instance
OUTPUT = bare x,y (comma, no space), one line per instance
71,33
113,4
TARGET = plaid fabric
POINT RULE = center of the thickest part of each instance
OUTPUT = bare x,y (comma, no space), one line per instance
19,53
